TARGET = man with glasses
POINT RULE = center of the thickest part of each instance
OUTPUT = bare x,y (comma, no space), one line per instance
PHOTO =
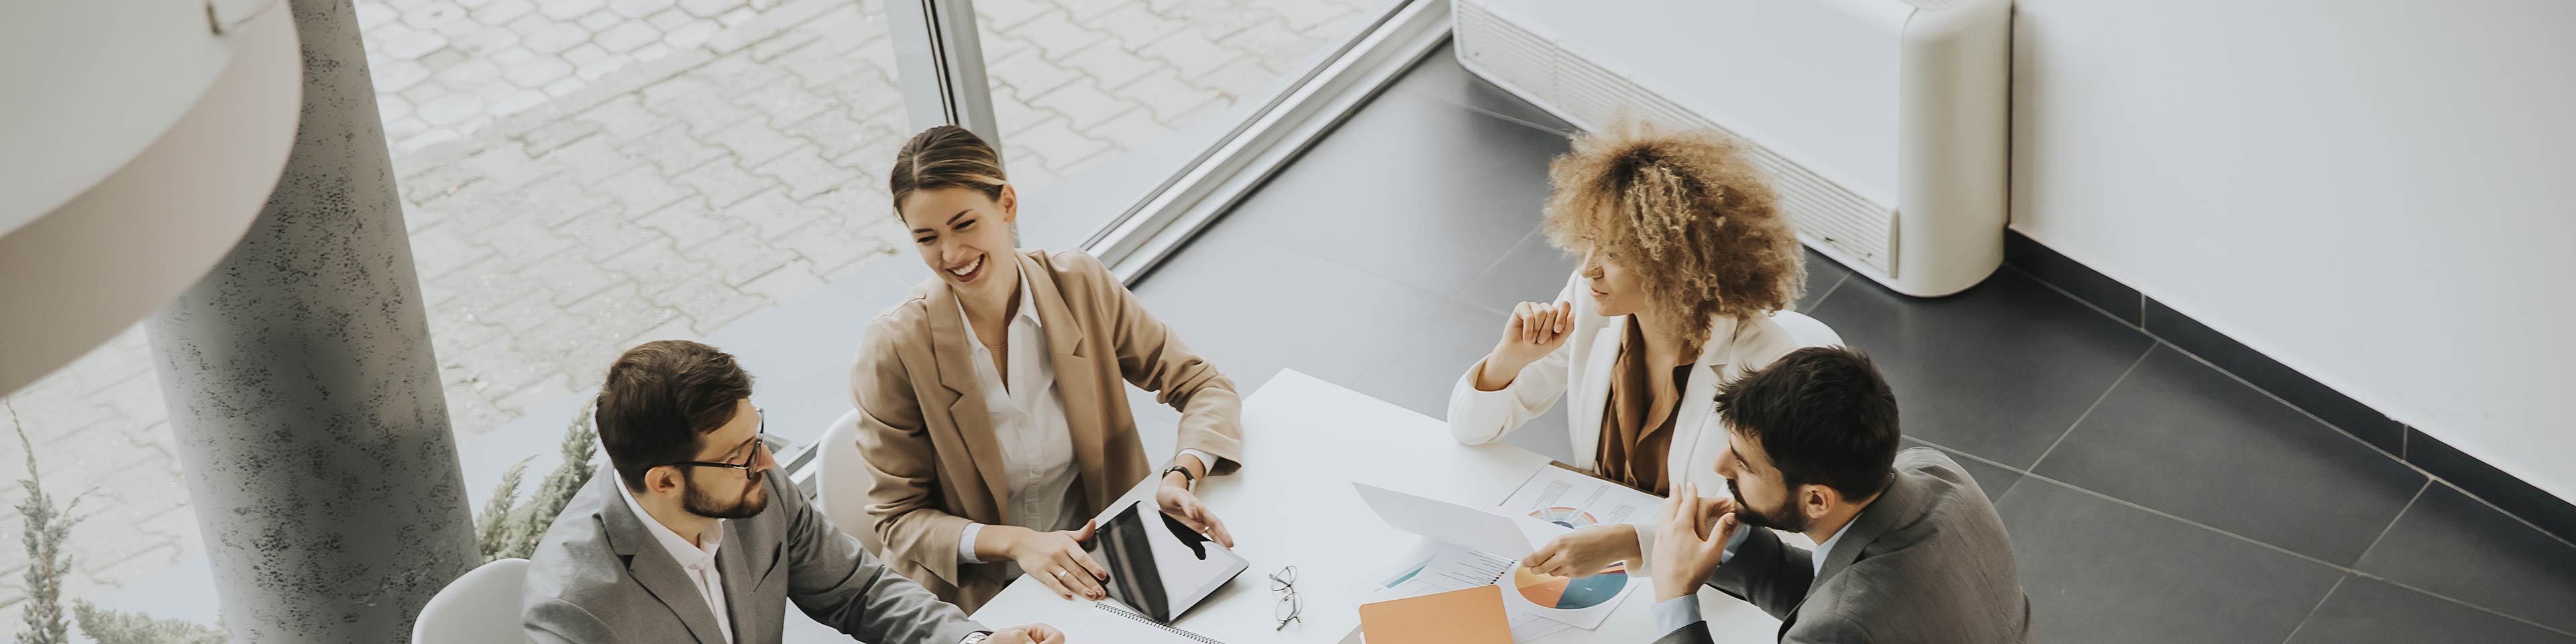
693,540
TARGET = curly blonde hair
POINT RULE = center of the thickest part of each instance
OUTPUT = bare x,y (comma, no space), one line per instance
1685,208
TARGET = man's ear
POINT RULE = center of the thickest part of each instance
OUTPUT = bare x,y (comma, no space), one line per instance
661,479
1817,500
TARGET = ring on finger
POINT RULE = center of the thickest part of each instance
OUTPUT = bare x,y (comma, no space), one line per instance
1059,574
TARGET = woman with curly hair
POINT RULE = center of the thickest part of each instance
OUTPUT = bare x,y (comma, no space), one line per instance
1685,257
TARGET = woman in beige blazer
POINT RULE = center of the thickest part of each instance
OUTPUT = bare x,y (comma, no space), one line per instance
1686,258
991,408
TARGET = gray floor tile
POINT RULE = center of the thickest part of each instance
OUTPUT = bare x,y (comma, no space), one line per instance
1253,307
1440,77
2368,611
1824,276
2000,370
1994,480
1419,372
2181,437
2451,544
2333,406
1416,190
2105,573
1533,271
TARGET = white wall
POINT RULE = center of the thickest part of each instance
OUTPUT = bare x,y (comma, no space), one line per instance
2378,193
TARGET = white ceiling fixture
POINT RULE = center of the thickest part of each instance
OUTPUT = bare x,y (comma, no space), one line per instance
138,139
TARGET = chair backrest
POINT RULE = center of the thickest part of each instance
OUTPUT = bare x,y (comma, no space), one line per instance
841,480
481,607
1807,331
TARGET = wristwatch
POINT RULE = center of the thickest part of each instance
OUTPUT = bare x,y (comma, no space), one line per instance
1188,481
976,637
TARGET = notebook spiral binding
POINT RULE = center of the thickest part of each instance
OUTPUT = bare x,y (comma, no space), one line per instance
1122,611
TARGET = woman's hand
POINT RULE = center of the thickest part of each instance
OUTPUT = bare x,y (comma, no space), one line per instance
1534,330
1054,558
1585,552
1029,634
1176,499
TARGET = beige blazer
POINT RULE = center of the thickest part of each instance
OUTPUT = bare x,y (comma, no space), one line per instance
934,462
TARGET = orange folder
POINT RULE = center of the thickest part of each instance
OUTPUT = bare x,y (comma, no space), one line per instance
1471,616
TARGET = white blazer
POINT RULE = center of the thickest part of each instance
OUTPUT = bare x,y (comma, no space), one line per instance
1582,365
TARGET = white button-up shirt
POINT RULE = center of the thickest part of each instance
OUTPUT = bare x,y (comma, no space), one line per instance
1028,420
698,560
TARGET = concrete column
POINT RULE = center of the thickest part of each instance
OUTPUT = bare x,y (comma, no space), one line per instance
300,382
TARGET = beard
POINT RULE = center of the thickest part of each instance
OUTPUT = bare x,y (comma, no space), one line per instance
1783,518
744,504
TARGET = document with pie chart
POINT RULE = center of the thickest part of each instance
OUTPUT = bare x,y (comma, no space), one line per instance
1575,500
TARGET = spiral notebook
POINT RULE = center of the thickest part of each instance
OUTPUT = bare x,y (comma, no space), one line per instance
1130,626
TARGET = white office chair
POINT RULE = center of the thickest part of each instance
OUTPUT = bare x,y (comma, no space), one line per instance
1806,330
841,480
481,607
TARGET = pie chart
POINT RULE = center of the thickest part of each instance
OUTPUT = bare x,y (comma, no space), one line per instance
1571,593
1564,516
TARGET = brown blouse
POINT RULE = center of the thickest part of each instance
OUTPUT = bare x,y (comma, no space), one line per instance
1637,429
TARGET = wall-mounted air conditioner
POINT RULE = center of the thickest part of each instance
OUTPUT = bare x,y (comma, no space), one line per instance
1882,123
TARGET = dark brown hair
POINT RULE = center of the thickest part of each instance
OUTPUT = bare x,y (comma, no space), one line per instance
1685,209
942,157
1822,414
660,399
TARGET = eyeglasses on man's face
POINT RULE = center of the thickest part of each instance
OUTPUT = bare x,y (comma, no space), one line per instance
750,465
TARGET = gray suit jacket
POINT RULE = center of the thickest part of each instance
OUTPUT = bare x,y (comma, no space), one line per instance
598,577
1927,562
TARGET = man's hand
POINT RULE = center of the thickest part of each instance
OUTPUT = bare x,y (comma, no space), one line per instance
1584,552
1684,552
1175,498
1030,634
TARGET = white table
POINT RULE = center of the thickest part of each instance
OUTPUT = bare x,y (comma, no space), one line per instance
1304,442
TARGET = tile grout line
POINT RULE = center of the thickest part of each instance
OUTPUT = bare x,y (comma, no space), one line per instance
2312,610
2028,475
2455,600
2392,521
2097,404
1837,286
2138,327
1498,261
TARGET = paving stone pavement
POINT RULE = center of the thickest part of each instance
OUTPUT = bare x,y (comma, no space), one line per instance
582,175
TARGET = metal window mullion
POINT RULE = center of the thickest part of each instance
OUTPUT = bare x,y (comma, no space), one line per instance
940,65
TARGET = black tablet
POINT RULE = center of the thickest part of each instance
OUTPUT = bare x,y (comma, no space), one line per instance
1158,566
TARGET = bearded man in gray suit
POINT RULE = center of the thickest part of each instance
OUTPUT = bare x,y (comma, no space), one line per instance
693,539
1908,549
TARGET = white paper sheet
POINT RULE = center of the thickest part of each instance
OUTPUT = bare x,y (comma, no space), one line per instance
1574,500
1475,529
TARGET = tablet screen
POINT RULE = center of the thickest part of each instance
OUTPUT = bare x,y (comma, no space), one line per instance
1159,566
